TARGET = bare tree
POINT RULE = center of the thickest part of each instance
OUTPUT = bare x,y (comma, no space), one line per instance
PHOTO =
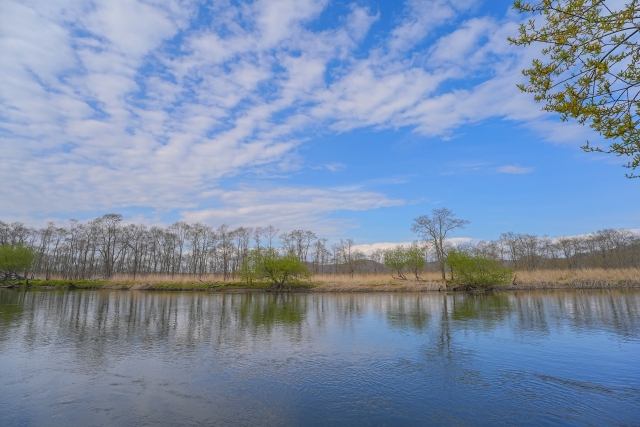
298,242
434,229
270,232
180,230
320,255
226,249
242,237
108,230
104,247
377,257
257,235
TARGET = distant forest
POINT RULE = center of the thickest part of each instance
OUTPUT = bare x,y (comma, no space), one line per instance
105,246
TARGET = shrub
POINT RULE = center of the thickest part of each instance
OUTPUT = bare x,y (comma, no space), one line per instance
280,270
396,260
14,259
415,259
401,258
477,271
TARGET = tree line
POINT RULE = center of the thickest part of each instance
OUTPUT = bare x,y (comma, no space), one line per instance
105,246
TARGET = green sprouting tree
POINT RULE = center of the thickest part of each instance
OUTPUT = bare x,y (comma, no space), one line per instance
415,259
589,67
14,259
281,271
396,260
477,271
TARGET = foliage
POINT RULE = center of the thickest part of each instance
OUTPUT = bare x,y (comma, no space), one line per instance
478,271
402,258
268,264
396,260
415,259
590,67
13,260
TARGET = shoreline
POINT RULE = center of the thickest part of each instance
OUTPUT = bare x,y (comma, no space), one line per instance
373,287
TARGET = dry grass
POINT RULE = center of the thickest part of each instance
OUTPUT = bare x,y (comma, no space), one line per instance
541,279
585,278
375,282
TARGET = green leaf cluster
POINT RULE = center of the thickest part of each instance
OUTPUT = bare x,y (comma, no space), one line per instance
14,259
401,259
478,271
279,270
590,67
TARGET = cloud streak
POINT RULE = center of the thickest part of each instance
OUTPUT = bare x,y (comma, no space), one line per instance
287,207
124,103
515,169
372,247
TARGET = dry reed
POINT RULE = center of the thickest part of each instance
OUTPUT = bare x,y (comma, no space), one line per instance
375,282
384,282
582,278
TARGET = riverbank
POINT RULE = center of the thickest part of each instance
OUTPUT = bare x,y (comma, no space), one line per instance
525,280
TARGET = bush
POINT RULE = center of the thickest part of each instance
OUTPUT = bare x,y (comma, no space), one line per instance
415,259
396,260
477,271
13,260
280,270
401,258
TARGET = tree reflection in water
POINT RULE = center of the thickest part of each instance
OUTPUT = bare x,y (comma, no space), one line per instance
308,358
189,317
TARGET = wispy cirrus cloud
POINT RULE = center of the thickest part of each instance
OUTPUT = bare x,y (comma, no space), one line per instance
110,104
287,207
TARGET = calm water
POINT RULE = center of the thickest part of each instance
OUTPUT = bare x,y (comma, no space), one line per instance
147,358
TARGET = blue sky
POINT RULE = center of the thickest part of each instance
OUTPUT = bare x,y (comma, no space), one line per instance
345,118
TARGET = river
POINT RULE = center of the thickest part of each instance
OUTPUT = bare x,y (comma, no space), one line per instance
137,358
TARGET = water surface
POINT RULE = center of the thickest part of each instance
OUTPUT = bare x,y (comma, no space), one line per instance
110,358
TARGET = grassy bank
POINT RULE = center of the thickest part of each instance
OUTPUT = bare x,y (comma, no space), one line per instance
430,281
540,279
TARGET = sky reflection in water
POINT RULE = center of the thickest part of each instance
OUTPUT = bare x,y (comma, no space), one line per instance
151,358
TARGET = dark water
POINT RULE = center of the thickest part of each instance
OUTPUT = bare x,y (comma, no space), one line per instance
147,358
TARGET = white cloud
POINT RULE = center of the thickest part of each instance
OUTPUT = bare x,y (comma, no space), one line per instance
514,169
287,207
335,166
370,248
421,18
117,103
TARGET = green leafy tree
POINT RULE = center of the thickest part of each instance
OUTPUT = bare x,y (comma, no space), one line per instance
14,259
415,259
281,271
250,268
396,260
589,68
400,259
477,271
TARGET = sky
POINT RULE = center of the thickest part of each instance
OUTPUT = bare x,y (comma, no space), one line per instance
347,118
